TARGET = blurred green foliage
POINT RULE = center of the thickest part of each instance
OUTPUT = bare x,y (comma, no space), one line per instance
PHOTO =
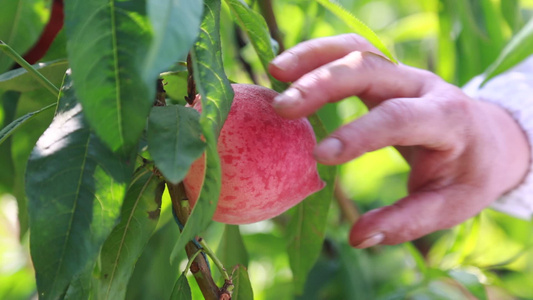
488,255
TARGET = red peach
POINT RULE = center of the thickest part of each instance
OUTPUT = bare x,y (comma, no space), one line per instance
267,162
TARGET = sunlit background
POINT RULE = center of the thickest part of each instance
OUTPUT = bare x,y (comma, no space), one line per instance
457,39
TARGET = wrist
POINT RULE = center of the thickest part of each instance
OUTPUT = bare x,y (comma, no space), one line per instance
510,148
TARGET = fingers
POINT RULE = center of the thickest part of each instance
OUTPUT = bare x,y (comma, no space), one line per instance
307,56
415,216
363,74
397,122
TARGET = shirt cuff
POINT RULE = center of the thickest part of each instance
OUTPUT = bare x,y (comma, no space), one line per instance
513,91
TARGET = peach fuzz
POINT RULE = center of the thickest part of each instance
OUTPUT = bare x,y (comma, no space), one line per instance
267,162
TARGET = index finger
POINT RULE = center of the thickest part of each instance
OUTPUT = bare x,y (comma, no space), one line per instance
365,74
309,55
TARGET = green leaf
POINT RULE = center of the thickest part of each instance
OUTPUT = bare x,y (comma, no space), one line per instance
307,227
80,286
446,53
174,140
175,84
139,218
356,273
511,13
58,48
242,286
493,24
415,27
175,27
480,37
520,47
20,80
116,58
217,95
75,187
325,276
23,142
107,41
469,61
231,250
256,28
10,128
21,23
153,277
417,257
356,25
31,70
470,282
182,290
8,109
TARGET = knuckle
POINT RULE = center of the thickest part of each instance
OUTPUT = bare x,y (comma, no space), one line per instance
354,60
355,39
358,139
377,60
396,112
313,84
409,230
371,61
307,46
301,49
353,139
428,76
314,77
457,106
430,81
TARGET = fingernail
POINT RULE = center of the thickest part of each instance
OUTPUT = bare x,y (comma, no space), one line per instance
285,61
371,241
328,149
290,97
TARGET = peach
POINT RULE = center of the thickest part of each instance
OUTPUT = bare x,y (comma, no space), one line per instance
267,162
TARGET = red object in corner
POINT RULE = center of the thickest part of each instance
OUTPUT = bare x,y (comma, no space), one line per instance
49,34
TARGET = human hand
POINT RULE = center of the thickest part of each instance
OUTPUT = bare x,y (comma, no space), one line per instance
463,153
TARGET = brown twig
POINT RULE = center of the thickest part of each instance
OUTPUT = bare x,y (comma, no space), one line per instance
225,291
268,13
199,267
348,209
160,99
191,85
241,43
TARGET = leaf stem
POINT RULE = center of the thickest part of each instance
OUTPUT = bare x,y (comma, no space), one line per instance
215,259
31,70
10,128
270,17
191,260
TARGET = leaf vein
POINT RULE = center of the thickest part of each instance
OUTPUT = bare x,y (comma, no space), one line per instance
121,244
75,204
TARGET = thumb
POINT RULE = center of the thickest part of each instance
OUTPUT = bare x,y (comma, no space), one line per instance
412,217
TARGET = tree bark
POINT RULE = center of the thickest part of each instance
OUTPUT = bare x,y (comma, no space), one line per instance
199,267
